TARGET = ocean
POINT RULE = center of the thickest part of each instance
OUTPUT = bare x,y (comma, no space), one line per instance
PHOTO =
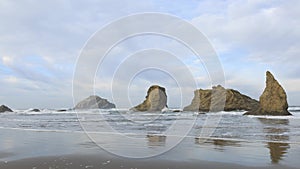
227,137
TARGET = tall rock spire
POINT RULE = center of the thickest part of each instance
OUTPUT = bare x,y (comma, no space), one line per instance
273,101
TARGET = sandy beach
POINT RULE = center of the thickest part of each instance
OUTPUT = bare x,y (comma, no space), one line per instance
98,161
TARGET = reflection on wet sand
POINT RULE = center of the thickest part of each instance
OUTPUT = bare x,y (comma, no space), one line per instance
276,130
277,151
156,140
219,143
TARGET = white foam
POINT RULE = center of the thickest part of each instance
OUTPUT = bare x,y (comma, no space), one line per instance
294,108
67,111
42,130
154,125
227,113
294,116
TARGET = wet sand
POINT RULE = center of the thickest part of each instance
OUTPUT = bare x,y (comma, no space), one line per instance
100,161
52,150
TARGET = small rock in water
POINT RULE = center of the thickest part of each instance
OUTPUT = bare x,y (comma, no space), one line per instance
4,108
35,110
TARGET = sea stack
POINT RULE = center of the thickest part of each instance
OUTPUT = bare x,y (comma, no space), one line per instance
220,99
273,101
4,108
94,102
156,100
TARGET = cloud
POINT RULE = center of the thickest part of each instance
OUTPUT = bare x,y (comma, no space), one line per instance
6,60
40,42
140,62
252,37
11,79
266,29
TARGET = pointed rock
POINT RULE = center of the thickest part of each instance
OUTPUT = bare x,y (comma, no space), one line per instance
156,100
273,101
4,108
94,102
214,100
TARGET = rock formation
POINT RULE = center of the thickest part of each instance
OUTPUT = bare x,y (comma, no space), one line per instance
156,100
273,101
4,108
220,99
94,102
35,110
61,110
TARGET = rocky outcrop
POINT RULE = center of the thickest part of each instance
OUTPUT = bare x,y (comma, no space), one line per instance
4,108
273,101
61,110
94,102
220,99
156,100
34,110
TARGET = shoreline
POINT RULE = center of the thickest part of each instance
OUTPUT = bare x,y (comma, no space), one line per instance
84,161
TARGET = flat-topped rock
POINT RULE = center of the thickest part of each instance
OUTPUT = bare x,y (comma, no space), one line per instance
273,100
213,100
156,100
94,102
4,108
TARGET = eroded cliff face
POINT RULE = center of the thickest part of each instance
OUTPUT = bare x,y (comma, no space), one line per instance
220,99
273,100
156,100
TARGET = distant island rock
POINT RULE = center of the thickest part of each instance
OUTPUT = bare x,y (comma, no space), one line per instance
61,110
203,101
156,100
4,108
34,110
273,101
94,102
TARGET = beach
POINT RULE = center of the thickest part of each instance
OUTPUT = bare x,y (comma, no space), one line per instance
94,161
50,139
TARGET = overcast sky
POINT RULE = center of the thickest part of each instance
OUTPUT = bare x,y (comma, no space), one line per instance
40,42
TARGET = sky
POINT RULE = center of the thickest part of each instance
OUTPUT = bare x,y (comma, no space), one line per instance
41,41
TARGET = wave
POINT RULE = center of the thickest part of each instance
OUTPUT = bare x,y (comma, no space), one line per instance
42,130
294,109
80,113
294,116
227,113
64,111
